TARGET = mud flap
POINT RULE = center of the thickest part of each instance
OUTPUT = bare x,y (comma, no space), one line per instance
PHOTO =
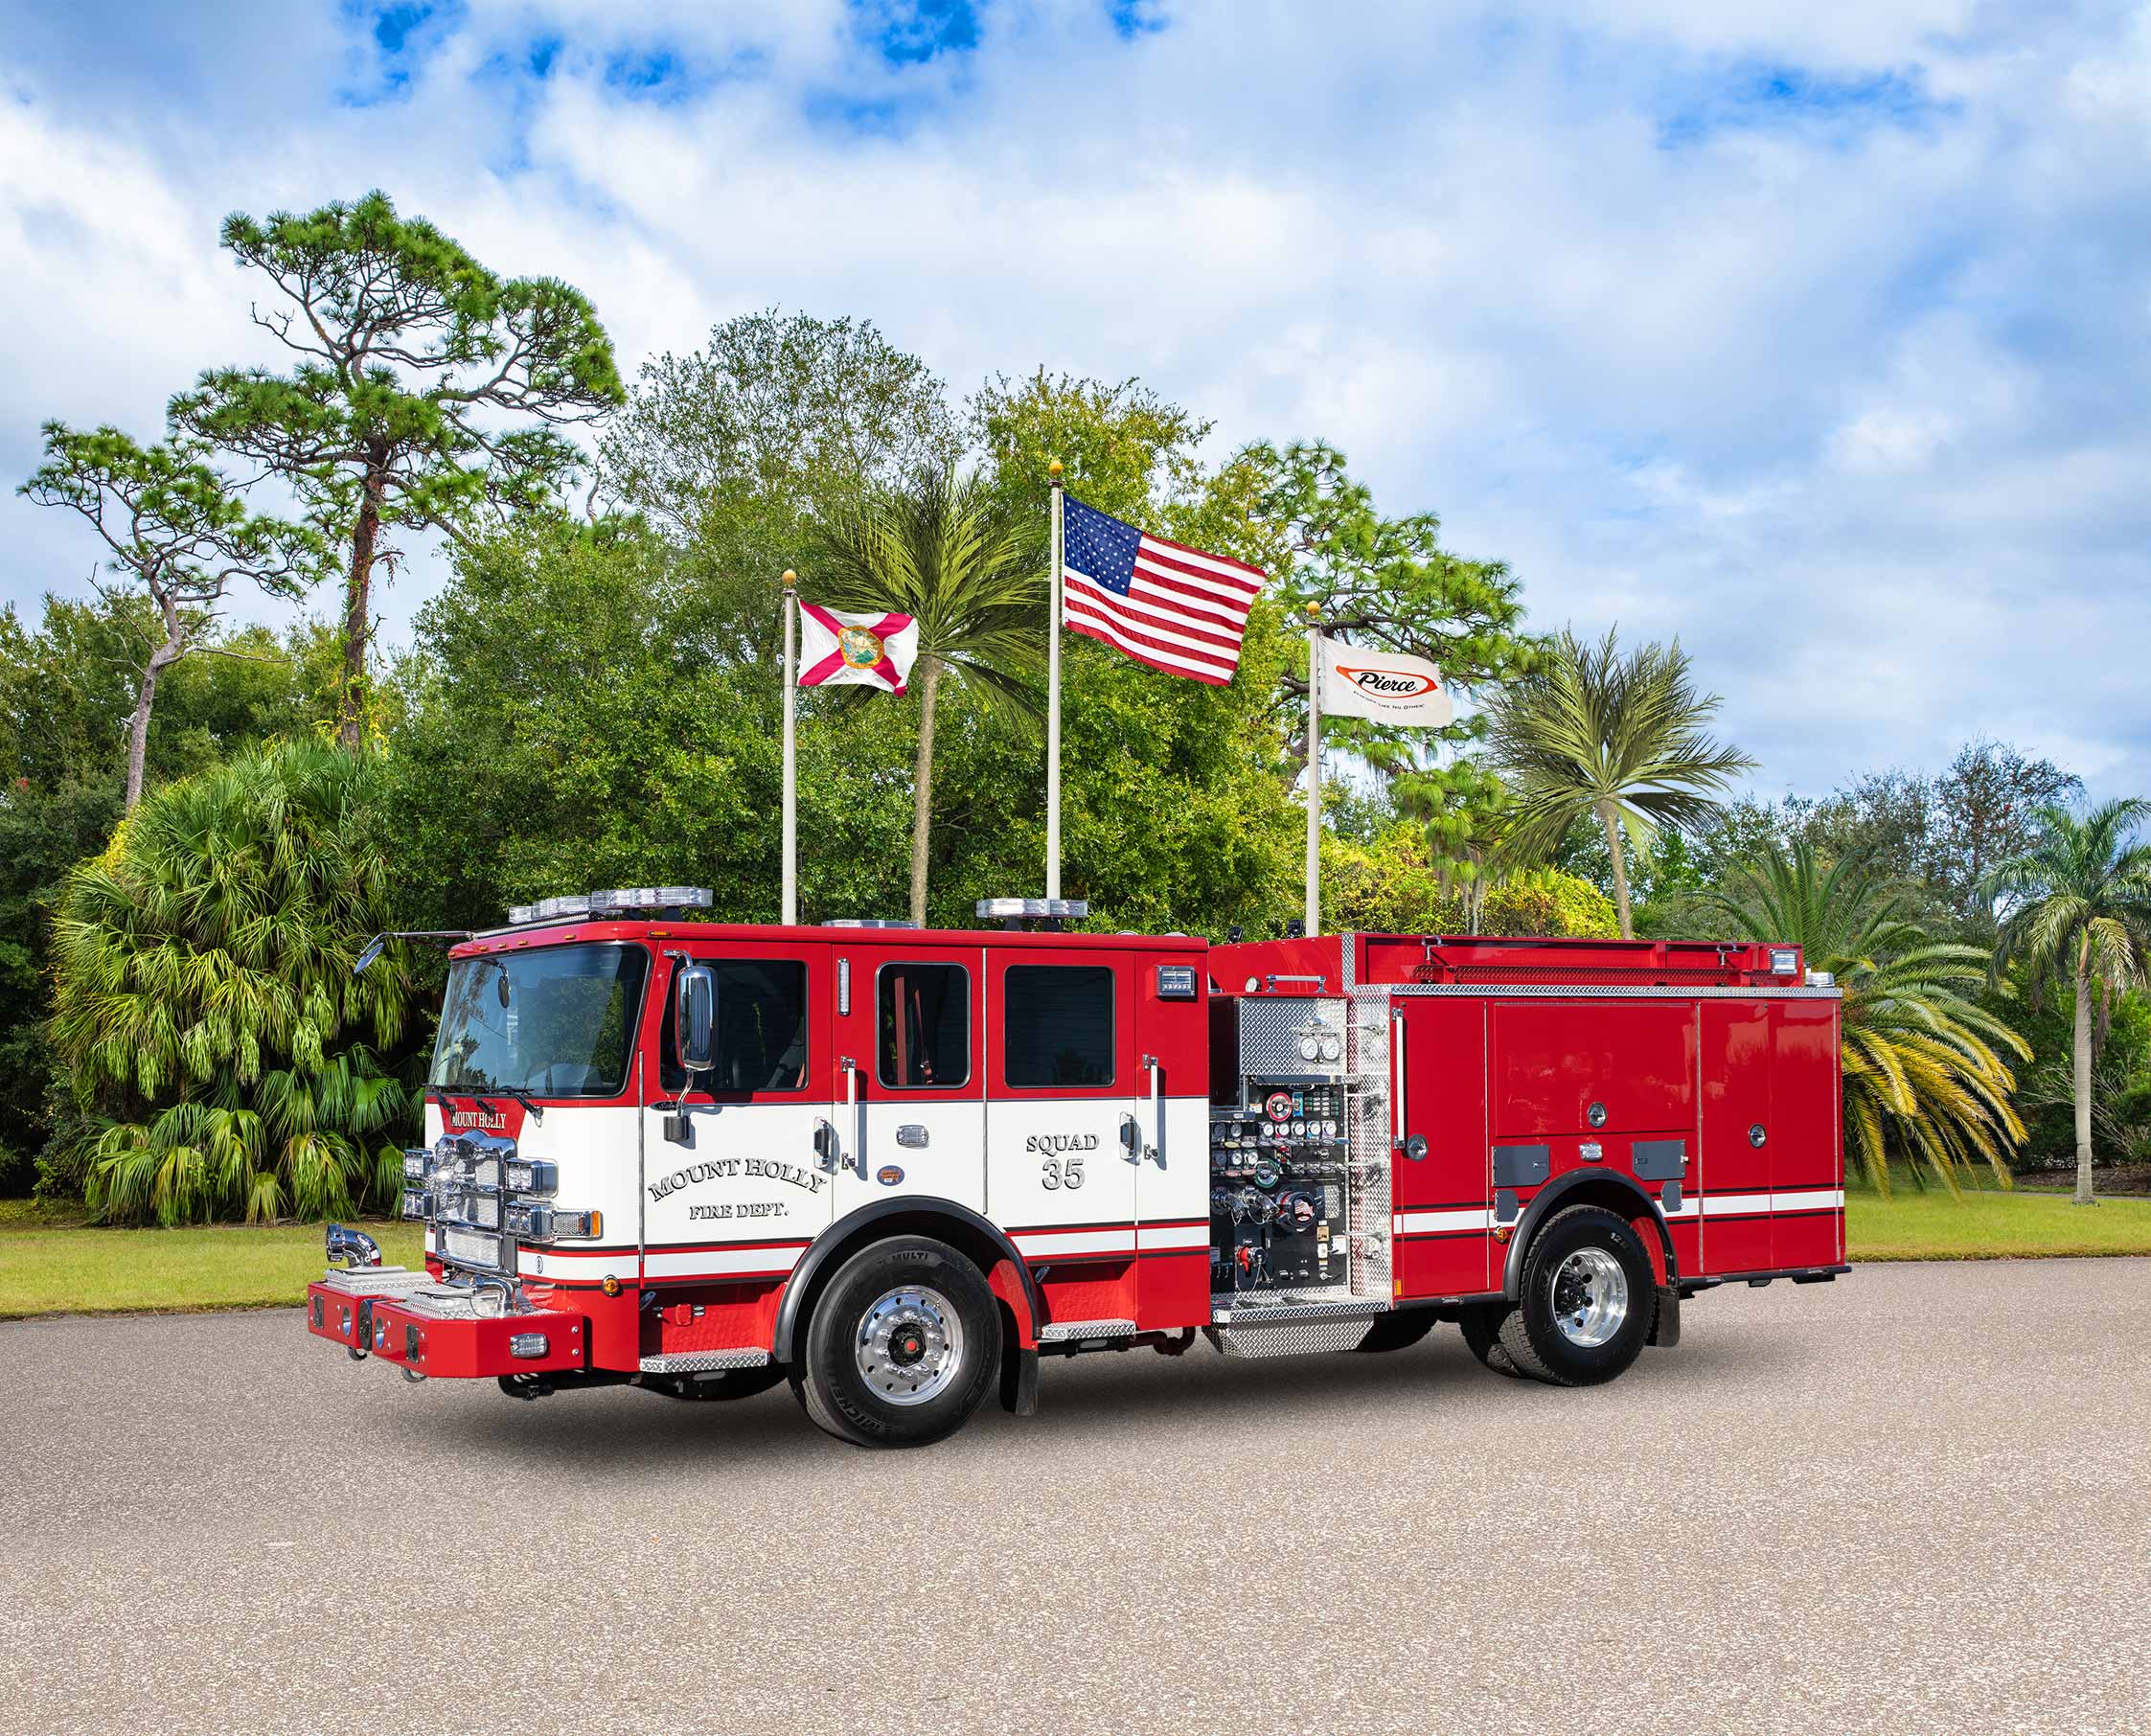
1665,1330
1019,1381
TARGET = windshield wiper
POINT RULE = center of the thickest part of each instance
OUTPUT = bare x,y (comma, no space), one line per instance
529,1104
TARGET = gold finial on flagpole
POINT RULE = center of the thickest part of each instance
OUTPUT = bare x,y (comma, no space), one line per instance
1314,611
791,578
1053,469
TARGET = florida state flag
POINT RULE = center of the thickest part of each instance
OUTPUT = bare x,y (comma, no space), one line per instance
838,648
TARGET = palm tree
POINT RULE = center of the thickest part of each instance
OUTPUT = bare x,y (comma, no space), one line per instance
2079,908
1919,1057
203,1004
943,552
1622,738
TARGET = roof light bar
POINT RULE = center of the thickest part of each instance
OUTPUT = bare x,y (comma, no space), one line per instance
1001,908
617,901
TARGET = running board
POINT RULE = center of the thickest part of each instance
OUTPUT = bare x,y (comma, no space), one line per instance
1290,1328
1062,1332
704,1362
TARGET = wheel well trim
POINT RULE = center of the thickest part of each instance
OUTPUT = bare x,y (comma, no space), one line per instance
1561,1188
801,1281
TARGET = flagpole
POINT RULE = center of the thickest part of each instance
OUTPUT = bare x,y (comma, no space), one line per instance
791,910
1053,700
1314,769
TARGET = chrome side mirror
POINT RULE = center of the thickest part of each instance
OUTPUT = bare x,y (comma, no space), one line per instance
694,1018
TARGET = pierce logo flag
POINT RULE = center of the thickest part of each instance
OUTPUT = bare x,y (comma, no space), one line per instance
1385,687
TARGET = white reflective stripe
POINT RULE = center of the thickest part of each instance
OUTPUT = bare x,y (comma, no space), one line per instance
1689,1207
1183,1235
1809,1200
1419,1224
1033,1244
1725,1205
571,1263
720,1262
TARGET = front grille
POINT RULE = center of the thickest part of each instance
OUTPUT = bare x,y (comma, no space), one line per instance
466,1206
471,1248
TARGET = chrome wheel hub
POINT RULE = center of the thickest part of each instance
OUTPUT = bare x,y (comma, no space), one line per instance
909,1345
1590,1297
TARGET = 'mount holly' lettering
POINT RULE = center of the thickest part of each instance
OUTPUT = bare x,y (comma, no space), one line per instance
719,1169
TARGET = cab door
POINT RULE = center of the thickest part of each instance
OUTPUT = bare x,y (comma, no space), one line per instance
910,1055
1063,1147
736,1169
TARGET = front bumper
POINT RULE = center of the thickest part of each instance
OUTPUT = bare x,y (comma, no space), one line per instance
428,1328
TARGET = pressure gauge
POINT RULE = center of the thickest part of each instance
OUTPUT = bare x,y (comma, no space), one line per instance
1332,1048
1310,1047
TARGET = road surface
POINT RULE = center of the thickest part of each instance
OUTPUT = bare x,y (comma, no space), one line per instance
1918,1499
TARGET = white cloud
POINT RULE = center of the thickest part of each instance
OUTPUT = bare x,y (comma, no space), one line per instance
1815,334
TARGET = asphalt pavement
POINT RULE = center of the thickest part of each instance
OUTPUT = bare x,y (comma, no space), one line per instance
1918,1499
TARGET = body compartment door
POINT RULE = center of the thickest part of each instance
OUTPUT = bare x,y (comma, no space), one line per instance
1439,1202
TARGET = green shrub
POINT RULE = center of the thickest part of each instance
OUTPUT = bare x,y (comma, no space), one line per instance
225,1061
1391,885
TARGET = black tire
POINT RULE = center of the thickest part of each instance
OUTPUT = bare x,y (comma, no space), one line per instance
1398,1331
856,1325
724,1383
1481,1322
1534,1335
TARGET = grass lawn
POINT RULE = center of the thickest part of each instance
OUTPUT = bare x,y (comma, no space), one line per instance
49,1266
51,1263
1986,1223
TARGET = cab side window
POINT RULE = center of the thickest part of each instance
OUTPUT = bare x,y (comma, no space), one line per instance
923,1026
761,1030
1057,1026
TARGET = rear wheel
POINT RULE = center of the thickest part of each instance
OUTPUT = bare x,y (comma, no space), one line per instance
1482,1332
1587,1300
903,1346
1398,1331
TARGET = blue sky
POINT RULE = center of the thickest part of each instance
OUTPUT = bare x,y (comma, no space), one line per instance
1818,335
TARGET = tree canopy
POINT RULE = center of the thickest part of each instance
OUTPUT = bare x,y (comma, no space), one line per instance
172,526
426,388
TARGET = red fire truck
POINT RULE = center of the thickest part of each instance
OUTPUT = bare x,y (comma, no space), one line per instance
898,1167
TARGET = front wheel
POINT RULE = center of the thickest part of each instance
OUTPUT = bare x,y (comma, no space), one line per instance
903,1345
1586,1304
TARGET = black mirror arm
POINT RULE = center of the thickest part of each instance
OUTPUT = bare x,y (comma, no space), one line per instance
379,945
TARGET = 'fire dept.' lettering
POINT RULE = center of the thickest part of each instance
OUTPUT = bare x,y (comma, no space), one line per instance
719,1169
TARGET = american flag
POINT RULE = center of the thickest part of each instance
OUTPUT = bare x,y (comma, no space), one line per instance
1163,604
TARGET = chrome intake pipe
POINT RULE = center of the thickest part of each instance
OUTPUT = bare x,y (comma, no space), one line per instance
353,1247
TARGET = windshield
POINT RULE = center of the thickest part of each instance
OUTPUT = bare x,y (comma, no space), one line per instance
555,1022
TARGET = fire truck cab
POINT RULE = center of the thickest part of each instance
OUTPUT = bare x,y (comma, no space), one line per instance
898,1167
